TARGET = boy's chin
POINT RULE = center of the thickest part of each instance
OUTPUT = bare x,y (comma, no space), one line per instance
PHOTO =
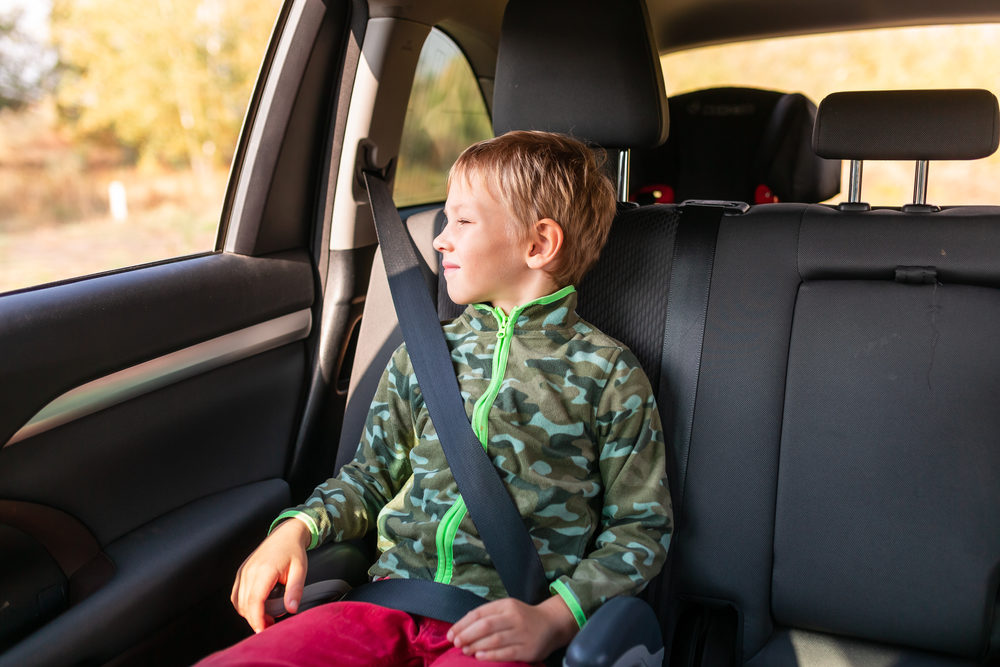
461,299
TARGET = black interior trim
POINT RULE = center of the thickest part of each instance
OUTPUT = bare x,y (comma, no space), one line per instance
163,568
60,337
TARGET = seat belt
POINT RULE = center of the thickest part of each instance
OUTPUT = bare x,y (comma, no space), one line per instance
684,325
490,505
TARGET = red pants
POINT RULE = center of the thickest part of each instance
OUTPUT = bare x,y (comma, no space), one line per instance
351,634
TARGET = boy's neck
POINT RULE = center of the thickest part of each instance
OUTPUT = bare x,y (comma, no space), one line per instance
533,296
535,285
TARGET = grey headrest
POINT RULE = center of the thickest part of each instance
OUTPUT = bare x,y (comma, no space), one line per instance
587,68
907,125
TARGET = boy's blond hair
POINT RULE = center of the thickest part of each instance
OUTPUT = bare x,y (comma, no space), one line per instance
537,175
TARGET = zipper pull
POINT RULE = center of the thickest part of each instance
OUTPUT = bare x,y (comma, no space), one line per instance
501,323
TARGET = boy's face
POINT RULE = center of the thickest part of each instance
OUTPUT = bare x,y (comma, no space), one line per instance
482,258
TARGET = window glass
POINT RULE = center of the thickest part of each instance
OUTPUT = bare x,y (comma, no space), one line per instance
445,114
886,59
118,121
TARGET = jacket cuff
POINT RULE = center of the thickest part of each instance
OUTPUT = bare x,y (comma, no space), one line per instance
561,588
304,518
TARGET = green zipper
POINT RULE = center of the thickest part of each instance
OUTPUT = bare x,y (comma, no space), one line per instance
445,537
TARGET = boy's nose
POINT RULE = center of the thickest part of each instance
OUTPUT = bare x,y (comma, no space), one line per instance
440,242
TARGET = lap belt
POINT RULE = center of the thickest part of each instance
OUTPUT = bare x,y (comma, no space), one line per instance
490,505
418,596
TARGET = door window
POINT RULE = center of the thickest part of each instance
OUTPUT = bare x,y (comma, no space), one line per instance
118,121
445,114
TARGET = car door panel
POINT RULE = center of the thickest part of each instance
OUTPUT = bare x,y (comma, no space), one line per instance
53,341
161,571
149,417
165,485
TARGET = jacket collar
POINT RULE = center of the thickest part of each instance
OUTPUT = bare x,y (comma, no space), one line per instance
551,312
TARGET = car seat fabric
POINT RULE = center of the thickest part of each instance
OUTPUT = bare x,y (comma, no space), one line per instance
741,144
635,261
921,469
843,474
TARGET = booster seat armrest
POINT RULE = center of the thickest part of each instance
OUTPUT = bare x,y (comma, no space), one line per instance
340,560
623,631
334,568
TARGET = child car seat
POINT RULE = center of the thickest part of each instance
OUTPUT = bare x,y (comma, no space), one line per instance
740,144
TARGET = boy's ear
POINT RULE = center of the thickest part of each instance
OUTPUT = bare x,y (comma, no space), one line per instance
545,243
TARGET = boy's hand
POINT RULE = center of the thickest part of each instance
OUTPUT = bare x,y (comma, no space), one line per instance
280,559
511,630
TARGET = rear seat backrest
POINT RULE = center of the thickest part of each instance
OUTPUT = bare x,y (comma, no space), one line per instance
843,485
741,144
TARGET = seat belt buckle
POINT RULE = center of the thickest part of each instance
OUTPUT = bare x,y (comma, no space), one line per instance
728,207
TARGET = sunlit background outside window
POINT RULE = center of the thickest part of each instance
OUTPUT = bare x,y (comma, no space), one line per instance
118,119
446,112
890,59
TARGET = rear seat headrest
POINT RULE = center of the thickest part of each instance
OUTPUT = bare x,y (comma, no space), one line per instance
588,68
907,125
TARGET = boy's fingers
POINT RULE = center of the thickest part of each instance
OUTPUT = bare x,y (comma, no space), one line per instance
476,628
234,597
294,583
505,654
488,641
256,618
461,623
458,633
253,592
257,594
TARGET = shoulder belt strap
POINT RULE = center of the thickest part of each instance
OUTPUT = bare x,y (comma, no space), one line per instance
684,330
489,503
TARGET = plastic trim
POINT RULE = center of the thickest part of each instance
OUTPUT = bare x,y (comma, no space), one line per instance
157,373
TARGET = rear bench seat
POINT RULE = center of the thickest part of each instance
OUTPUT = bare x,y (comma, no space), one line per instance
840,502
837,476
843,484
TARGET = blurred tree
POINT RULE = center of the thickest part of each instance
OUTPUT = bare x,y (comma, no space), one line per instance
446,112
23,67
167,79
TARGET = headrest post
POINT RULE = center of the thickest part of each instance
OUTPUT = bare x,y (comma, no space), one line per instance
854,185
920,183
623,160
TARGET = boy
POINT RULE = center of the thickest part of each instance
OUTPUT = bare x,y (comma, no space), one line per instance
566,413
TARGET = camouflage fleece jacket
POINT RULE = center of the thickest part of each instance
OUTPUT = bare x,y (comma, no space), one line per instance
568,417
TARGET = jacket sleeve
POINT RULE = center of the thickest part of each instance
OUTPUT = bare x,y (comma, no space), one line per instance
636,518
347,506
